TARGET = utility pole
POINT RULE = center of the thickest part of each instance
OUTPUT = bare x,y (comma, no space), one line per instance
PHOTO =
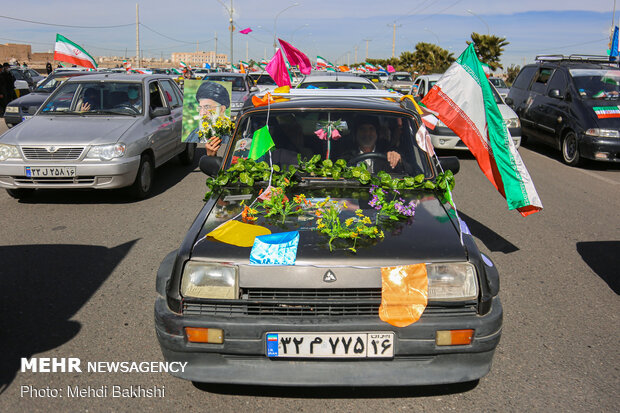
355,60
367,40
215,45
348,55
394,38
137,37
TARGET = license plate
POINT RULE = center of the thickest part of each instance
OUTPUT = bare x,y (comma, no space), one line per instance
50,172
330,345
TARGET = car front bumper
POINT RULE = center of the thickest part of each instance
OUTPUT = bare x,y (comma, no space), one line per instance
12,118
443,138
599,148
92,174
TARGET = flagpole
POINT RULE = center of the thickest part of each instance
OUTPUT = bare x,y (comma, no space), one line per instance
137,37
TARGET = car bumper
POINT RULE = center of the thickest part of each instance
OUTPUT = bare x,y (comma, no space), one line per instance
443,138
12,118
242,359
98,175
600,149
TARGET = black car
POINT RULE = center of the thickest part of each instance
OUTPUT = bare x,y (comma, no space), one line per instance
24,107
571,103
312,310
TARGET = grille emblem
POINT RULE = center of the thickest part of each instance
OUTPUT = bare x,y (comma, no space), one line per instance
51,149
329,277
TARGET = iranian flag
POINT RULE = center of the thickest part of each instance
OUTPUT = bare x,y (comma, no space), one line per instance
67,51
183,65
463,100
370,67
320,62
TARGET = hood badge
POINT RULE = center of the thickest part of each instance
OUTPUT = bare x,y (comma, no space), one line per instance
329,277
51,149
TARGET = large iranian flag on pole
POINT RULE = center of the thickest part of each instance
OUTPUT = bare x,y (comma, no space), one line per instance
67,51
463,99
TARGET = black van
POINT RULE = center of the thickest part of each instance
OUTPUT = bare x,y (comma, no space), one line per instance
571,103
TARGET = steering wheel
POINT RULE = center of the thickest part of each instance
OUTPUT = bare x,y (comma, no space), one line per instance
128,107
363,156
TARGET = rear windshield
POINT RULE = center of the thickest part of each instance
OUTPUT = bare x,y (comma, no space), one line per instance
264,79
238,85
367,137
96,98
336,85
51,83
600,84
498,83
402,78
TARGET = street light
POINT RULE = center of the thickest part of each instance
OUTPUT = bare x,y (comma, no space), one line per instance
230,13
433,33
275,21
481,19
296,30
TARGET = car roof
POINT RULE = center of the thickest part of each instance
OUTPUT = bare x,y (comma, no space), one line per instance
322,78
227,74
431,77
109,77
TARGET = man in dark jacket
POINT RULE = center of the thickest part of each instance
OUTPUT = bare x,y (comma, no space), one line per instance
7,87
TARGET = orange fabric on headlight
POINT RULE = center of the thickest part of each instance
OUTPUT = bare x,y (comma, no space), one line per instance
404,294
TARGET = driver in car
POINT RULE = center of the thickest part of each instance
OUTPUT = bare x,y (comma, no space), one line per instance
134,98
366,137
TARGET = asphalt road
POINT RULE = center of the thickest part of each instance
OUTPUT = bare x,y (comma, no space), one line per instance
77,274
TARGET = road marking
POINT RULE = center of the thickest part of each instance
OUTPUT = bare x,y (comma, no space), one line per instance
590,173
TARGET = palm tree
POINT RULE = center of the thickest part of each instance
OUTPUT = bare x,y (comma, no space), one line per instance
489,48
428,58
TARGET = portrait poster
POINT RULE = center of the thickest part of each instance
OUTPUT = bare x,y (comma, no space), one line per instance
210,98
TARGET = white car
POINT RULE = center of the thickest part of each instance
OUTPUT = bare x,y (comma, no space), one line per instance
442,137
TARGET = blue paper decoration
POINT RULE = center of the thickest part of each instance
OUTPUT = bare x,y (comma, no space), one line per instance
275,249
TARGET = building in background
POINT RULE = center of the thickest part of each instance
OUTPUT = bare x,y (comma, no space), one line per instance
198,58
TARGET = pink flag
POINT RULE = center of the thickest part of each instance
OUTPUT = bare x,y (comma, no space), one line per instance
295,57
245,31
277,69
391,69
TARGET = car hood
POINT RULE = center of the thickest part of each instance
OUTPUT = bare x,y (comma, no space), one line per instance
429,236
31,99
69,130
401,83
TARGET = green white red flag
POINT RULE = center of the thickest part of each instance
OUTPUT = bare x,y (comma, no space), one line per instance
320,62
463,100
67,51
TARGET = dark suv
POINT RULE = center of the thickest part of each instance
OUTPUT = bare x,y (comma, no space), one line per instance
571,103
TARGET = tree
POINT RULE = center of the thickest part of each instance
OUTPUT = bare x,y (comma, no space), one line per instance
427,58
489,48
512,72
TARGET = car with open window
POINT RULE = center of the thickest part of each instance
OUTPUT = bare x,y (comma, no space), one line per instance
571,103
399,81
326,304
100,131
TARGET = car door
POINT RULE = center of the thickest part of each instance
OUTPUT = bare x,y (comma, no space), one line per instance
175,101
553,113
160,128
535,105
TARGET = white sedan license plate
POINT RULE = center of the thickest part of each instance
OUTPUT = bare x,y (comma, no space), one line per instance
50,172
330,345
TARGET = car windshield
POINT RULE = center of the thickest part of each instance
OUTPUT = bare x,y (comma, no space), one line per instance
18,74
238,85
498,83
358,137
51,83
598,84
335,85
96,98
498,98
160,71
402,78
263,79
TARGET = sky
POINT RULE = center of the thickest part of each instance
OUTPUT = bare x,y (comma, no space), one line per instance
333,29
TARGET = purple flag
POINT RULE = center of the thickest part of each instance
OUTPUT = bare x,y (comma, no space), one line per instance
277,69
245,31
295,57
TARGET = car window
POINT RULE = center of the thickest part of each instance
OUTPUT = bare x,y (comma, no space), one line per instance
238,84
156,100
263,79
335,85
498,82
171,96
97,98
62,100
600,84
524,78
402,78
540,82
51,83
558,81
295,132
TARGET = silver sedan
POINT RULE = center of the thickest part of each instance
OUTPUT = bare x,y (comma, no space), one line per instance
100,131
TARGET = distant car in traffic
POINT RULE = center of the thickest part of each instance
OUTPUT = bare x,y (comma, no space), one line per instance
242,88
422,84
21,76
399,81
25,106
335,82
501,86
100,131
373,77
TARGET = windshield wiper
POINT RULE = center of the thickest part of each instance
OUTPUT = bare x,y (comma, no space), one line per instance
107,112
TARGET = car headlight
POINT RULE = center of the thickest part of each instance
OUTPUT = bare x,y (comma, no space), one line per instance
8,152
107,152
12,109
236,105
603,133
208,280
452,282
512,122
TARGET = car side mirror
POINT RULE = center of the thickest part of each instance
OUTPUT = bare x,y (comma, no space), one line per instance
254,89
161,111
32,110
509,101
555,93
450,163
210,165
21,84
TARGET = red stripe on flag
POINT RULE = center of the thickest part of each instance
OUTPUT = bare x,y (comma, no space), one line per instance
73,60
609,115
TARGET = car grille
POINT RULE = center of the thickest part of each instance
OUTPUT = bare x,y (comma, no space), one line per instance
81,180
36,154
304,303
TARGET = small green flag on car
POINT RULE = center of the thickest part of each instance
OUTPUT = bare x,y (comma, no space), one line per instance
261,143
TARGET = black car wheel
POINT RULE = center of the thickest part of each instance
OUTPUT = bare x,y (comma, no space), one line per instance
570,149
21,193
144,180
187,156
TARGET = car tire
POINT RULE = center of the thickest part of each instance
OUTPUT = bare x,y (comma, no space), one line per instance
143,184
570,149
21,193
187,156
